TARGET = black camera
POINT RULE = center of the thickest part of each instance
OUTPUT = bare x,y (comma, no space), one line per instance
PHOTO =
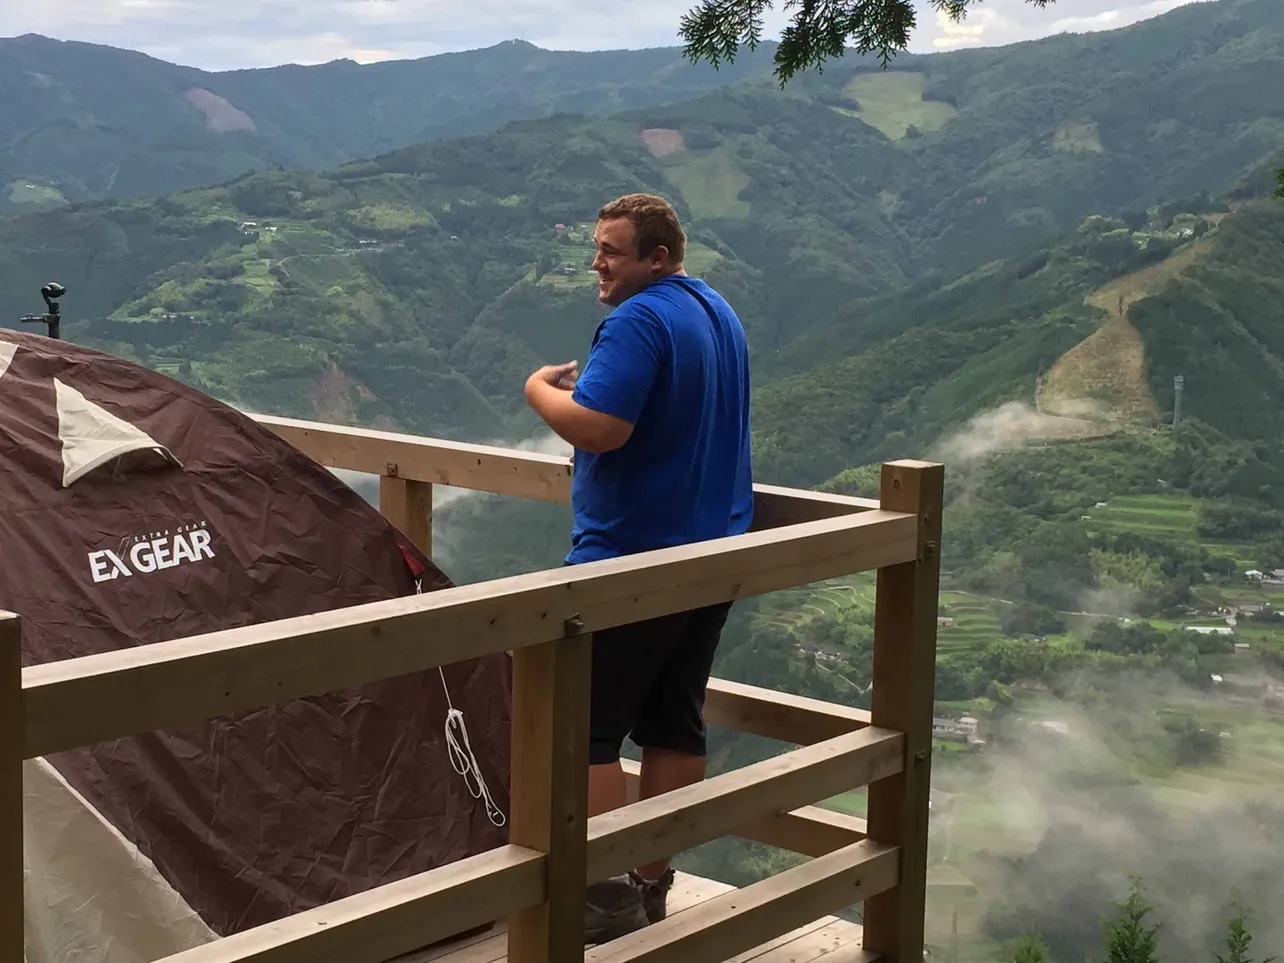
51,292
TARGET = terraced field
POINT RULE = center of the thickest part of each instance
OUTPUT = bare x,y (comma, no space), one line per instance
1163,516
1167,515
789,610
974,624
792,608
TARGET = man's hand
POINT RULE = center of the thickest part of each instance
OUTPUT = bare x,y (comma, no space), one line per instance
557,375
549,393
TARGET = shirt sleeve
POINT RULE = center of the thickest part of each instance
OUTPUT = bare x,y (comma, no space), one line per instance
622,365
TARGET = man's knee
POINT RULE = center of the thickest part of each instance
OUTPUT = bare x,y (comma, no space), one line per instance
604,747
675,732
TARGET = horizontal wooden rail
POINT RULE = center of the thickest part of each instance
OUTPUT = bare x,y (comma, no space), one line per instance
748,917
483,468
392,919
678,820
775,506
778,715
78,702
507,471
807,830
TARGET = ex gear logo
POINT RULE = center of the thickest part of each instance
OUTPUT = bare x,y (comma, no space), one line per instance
153,552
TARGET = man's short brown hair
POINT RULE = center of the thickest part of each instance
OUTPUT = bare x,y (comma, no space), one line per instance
654,221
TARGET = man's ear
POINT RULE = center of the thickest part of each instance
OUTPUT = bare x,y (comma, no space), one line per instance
659,259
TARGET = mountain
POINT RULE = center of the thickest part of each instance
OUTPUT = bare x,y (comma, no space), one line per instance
82,121
905,246
1092,330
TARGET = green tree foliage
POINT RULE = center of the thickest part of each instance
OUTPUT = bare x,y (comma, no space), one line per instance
1238,939
1029,948
1194,745
1029,618
820,29
1128,937
1280,191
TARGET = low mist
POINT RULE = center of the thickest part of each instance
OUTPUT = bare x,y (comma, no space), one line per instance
1051,819
1014,425
478,535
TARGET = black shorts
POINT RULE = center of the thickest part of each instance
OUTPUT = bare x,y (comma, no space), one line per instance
649,681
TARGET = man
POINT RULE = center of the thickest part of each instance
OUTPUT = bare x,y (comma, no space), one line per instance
659,420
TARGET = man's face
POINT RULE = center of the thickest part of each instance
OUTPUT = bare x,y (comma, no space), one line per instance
621,273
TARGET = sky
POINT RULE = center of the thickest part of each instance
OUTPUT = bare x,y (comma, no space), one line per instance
233,34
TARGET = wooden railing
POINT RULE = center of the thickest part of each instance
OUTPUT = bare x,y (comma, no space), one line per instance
545,619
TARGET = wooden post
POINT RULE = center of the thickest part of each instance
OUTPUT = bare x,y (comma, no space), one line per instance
902,699
11,751
549,793
408,505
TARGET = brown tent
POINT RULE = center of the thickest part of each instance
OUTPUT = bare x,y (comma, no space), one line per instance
135,509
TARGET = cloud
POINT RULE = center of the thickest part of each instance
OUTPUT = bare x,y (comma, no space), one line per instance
242,33
964,33
1117,17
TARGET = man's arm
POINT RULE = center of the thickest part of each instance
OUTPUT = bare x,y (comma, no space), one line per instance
584,428
597,411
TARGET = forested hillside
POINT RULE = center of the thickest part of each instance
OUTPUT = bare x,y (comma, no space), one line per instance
416,289
1103,320
1124,117
81,121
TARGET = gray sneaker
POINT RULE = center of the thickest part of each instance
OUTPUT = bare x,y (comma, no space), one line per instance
655,893
612,908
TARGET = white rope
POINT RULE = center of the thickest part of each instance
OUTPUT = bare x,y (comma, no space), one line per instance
462,758
461,751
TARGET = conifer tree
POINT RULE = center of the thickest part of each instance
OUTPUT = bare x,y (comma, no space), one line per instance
1128,938
1238,938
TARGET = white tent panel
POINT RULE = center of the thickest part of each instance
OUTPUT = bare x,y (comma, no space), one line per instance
91,435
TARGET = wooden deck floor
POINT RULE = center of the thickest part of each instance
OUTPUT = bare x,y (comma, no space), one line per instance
828,938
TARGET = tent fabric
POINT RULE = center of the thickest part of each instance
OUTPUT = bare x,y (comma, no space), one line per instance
90,895
92,436
261,815
7,352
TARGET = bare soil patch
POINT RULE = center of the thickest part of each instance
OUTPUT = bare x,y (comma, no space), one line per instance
219,113
662,141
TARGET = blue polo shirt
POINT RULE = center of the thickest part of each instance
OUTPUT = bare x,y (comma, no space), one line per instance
673,361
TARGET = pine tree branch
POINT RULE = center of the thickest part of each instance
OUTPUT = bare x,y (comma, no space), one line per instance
714,30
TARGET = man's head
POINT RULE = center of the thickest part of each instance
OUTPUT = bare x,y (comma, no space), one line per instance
639,240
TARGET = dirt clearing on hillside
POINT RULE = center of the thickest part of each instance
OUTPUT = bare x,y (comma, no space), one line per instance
219,113
1109,366
663,141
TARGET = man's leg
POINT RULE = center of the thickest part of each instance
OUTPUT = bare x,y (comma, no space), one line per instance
671,732
627,660
662,771
607,789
